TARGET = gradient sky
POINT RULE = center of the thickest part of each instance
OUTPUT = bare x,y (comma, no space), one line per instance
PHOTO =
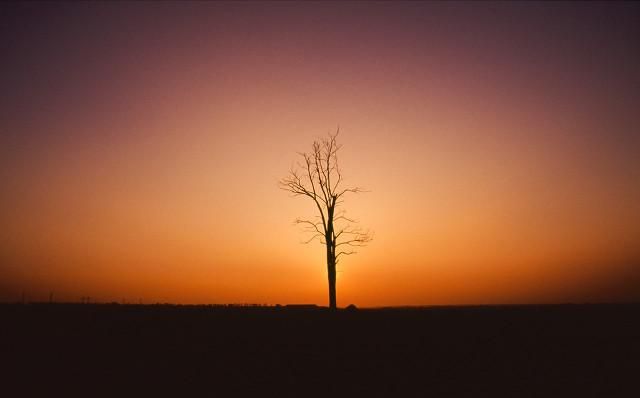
141,145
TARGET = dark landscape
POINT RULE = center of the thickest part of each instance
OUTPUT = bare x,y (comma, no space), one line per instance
516,351
404,156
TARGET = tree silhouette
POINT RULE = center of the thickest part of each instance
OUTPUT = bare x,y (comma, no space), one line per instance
319,177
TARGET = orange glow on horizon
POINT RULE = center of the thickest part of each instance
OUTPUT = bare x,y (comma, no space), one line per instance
156,179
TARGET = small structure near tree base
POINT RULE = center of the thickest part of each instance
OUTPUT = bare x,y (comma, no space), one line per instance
301,307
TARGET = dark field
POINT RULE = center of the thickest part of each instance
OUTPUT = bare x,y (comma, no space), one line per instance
515,351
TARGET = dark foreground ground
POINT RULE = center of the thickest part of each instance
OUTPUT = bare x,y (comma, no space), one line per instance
127,350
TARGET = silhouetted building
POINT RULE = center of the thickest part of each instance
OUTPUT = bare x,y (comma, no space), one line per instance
301,306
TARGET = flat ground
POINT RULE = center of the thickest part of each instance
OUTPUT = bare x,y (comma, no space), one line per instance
515,351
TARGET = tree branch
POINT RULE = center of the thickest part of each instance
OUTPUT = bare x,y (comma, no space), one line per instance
319,177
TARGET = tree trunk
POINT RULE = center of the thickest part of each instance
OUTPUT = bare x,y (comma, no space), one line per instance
331,272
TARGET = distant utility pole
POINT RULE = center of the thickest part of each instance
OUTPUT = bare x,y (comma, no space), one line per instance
50,297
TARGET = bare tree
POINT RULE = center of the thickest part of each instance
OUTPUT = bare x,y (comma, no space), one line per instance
318,176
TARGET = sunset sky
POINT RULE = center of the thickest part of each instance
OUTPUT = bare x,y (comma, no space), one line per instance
141,145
